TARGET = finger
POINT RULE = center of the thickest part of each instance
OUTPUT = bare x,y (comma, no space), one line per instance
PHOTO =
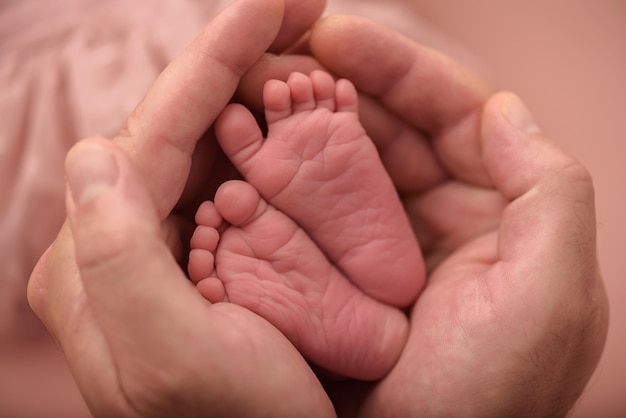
546,245
272,67
424,88
125,265
550,224
190,93
405,151
299,17
79,289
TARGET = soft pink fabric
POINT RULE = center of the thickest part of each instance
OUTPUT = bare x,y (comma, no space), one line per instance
68,69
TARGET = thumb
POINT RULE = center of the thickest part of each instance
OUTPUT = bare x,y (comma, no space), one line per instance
126,268
551,194
547,236
138,307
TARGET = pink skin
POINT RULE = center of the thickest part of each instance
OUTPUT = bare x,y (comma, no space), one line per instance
246,252
319,167
326,188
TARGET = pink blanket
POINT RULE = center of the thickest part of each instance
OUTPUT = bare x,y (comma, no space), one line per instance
69,69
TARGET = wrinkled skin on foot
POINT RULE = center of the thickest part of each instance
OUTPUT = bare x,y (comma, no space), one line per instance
318,166
268,264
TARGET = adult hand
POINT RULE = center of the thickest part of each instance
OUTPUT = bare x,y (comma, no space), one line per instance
514,316
139,339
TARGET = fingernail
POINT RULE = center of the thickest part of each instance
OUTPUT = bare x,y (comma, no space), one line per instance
518,115
91,170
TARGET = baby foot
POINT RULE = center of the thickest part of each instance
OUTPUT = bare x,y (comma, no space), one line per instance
319,167
260,259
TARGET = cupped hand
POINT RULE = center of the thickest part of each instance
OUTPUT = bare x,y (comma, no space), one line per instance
139,339
514,315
